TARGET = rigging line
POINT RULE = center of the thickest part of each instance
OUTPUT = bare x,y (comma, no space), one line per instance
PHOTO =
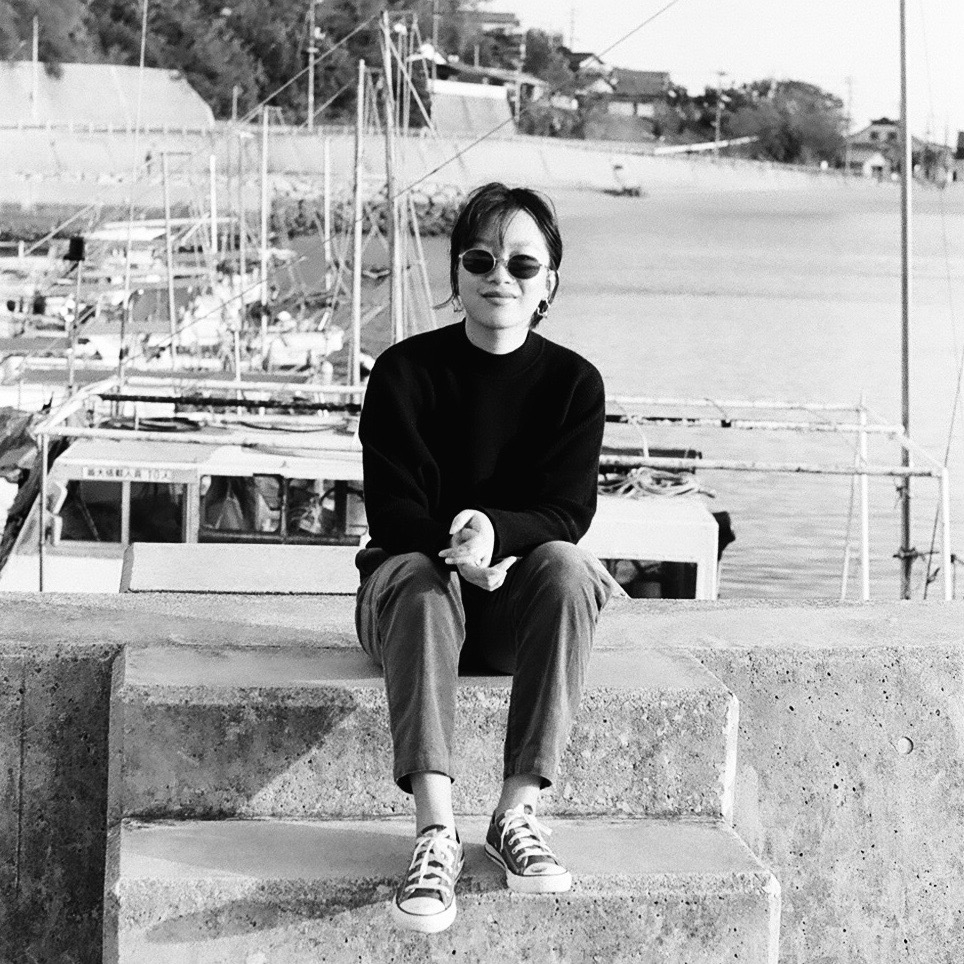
185,162
525,110
330,101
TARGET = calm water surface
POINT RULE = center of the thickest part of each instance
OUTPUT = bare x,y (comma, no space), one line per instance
793,296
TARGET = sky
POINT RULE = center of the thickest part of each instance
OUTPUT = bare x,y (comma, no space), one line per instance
848,47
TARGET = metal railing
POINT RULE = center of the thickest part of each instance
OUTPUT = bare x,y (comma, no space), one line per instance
867,425
629,410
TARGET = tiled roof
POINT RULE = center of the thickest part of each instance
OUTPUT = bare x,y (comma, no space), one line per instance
638,83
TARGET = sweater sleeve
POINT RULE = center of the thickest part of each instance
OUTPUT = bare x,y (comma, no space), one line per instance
399,469
565,479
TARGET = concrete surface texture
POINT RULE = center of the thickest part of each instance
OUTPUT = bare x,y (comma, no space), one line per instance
849,775
223,733
61,800
309,891
850,786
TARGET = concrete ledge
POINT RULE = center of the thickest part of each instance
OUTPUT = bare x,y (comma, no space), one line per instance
850,786
302,892
238,568
220,732
60,797
872,868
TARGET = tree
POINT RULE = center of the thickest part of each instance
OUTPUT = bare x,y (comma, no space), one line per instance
62,32
794,122
546,61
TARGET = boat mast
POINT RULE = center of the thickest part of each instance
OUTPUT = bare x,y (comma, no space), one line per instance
906,171
394,259
127,307
354,371
169,257
264,227
329,274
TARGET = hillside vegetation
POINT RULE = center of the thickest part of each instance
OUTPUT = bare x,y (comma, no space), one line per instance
237,52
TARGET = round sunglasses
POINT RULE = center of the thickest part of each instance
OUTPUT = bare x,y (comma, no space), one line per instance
480,261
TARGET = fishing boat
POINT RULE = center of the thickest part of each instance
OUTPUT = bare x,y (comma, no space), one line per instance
181,462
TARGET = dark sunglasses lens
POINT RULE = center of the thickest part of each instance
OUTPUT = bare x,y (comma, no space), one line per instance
523,266
478,261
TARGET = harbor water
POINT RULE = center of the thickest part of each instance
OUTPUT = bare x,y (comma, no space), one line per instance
770,293
778,295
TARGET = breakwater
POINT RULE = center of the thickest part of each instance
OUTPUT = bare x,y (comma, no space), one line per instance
48,172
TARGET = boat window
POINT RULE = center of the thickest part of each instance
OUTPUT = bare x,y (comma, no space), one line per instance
91,511
157,512
233,503
324,510
652,579
275,509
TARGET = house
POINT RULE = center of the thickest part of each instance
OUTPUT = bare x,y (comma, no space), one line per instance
491,22
874,151
957,172
635,93
592,72
501,33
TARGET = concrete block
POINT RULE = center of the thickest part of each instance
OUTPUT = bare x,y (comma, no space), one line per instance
850,787
143,620
11,721
220,732
239,568
299,892
59,799
851,764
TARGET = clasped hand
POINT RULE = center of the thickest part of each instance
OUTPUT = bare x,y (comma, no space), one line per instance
470,550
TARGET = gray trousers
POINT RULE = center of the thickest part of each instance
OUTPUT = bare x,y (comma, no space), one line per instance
420,622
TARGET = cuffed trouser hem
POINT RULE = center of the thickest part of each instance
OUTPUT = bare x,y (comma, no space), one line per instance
545,770
403,772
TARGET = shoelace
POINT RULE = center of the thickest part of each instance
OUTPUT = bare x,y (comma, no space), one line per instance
527,837
433,863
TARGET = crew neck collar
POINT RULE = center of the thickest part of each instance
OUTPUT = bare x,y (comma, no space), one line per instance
500,366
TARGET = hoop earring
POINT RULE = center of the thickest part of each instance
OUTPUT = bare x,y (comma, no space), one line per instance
542,309
457,304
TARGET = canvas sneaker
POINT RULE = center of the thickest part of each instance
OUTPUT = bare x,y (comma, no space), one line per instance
516,841
425,898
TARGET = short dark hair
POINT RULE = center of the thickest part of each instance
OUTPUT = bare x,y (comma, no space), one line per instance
495,202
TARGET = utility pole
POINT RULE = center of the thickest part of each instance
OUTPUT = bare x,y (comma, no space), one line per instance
35,56
572,28
849,121
720,74
312,50
518,83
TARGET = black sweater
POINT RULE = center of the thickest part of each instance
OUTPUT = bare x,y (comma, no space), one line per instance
447,426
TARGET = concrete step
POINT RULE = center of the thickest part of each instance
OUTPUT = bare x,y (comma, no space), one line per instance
303,732
267,892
